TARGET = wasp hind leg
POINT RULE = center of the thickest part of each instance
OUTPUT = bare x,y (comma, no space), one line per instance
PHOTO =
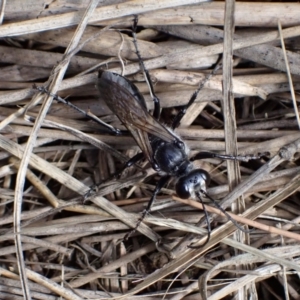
156,112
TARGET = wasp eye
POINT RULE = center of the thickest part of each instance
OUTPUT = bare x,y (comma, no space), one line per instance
182,190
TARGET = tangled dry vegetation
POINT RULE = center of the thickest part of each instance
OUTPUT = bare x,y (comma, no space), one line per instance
53,244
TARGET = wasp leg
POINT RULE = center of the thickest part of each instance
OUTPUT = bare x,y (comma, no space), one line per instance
176,121
245,158
135,159
156,112
94,188
160,184
83,112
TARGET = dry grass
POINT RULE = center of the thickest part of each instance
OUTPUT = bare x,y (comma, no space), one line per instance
53,244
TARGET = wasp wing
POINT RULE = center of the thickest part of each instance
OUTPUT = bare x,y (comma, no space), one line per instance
142,139
124,99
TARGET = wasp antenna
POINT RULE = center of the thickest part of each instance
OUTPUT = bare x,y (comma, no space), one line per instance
226,213
208,225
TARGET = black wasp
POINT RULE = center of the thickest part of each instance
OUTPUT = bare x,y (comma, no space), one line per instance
166,152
